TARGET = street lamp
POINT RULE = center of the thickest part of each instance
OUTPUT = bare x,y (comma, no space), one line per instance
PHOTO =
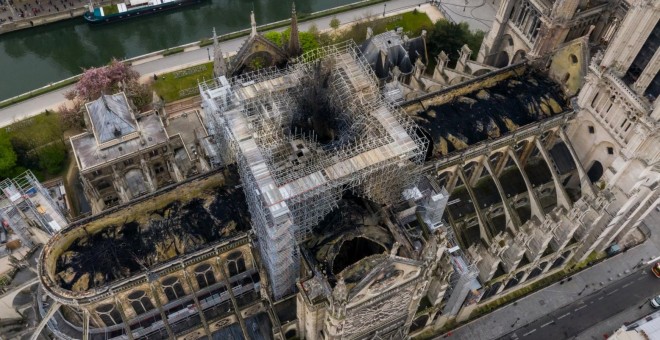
208,52
514,324
583,289
384,7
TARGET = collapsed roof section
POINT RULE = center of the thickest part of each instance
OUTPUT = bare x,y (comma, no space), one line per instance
304,135
345,238
486,108
132,240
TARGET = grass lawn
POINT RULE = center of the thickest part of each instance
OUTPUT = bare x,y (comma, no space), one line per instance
40,129
412,23
178,84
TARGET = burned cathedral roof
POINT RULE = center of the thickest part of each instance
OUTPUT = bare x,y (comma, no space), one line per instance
486,108
134,239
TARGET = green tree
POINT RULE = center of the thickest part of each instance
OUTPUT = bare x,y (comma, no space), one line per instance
450,37
314,30
275,37
7,156
308,41
25,156
334,23
51,158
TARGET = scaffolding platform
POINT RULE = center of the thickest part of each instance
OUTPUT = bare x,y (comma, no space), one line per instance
292,180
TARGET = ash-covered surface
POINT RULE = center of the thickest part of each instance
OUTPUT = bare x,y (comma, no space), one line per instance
489,113
346,236
120,251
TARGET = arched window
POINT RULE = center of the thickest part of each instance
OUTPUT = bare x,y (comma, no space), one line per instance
596,171
612,99
109,314
204,275
140,302
235,263
291,333
173,289
593,101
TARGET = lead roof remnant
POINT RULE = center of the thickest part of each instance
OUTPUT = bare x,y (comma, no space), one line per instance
111,117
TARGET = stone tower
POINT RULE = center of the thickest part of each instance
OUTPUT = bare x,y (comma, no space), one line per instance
529,29
294,49
219,65
615,132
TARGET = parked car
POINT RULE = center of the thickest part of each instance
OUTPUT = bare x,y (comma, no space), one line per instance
655,302
613,250
656,269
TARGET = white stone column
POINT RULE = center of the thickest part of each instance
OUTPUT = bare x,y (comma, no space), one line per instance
536,208
512,218
53,309
562,196
124,318
85,331
159,305
648,74
483,227
147,174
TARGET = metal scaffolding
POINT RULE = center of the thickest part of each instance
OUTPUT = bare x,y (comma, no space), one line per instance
291,179
24,199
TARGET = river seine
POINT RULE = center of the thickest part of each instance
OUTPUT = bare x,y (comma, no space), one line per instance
35,57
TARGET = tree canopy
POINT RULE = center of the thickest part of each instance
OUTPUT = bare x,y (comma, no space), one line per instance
308,40
450,37
116,76
334,23
7,156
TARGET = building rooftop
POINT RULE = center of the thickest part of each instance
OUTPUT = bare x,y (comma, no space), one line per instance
149,132
398,51
153,231
111,117
642,329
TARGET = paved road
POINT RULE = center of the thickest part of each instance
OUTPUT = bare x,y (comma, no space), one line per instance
566,323
611,324
53,100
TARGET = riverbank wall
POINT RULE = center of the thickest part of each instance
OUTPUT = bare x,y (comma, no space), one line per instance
42,20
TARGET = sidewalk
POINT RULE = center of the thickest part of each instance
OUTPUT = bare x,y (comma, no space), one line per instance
478,14
560,294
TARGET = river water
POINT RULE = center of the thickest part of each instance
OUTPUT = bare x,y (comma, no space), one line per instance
35,57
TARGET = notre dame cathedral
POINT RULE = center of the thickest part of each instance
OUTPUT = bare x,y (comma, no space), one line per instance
339,208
